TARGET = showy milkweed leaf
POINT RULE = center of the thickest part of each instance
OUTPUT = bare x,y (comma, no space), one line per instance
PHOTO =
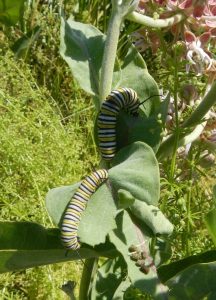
82,48
135,169
152,216
126,234
26,245
101,209
168,271
196,282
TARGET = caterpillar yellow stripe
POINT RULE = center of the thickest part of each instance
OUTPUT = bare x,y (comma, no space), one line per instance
77,205
122,98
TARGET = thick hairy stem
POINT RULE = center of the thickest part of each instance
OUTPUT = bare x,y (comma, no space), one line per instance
88,273
109,56
120,9
155,23
200,113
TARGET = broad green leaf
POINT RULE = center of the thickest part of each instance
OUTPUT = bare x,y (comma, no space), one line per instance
82,48
152,216
11,11
15,260
126,234
57,200
125,199
130,129
98,218
22,46
28,236
168,271
133,73
210,221
25,245
135,169
108,278
194,283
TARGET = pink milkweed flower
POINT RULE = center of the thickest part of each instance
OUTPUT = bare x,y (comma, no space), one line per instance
197,56
209,14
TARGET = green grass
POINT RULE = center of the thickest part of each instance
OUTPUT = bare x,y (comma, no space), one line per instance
40,149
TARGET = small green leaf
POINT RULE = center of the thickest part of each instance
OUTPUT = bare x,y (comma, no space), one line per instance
196,282
166,272
11,11
82,48
126,234
152,216
125,199
136,171
101,210
210,221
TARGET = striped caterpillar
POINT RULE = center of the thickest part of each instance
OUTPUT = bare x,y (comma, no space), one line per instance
122,98
77,205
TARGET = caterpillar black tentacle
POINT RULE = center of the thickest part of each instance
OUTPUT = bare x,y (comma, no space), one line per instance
122,98
77,205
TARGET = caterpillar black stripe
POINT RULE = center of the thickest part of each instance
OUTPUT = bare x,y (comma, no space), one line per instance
77,205
122,98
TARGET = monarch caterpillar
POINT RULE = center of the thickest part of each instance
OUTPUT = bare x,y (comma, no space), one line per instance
122,98
77,205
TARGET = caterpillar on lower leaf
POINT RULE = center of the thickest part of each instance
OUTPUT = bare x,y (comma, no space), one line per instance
77,205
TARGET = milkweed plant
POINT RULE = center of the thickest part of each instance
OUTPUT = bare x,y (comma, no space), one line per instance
114,222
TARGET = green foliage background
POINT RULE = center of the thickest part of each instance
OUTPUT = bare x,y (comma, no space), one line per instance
46,134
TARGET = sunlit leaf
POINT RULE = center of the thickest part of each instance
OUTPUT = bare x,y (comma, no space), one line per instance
126,234
101,210
170,270
136,171
196,282
82,48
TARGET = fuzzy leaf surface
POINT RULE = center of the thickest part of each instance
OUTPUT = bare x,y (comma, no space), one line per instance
133,73
82,48
126,234
195,282
26,245
168,271
101,210
135,169
152,216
